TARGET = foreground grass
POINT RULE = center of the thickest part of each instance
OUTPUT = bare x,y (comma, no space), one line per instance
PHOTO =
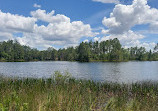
62,93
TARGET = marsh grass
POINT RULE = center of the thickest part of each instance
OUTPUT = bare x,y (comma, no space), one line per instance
63,93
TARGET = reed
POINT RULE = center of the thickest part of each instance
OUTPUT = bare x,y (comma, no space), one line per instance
64,93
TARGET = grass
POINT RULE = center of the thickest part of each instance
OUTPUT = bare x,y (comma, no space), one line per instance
63,93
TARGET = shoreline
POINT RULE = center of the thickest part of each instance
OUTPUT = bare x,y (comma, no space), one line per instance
80,61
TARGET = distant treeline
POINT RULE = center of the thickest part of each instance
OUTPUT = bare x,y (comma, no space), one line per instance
110,50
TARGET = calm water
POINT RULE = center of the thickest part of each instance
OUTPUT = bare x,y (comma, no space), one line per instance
126,72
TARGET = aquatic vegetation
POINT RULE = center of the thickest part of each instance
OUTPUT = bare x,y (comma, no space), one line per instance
62,92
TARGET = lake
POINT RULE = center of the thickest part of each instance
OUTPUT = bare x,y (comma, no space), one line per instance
125,72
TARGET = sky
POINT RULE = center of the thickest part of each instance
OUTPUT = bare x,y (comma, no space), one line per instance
63,23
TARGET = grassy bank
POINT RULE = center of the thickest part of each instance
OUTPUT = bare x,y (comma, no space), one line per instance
62,93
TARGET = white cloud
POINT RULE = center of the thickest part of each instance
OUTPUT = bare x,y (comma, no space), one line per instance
107,1
15,23
130,39
49,17
4,36
64,31
37,6
86,41
60,28
11,24
59,31
96,38
125,17
137,43
125,37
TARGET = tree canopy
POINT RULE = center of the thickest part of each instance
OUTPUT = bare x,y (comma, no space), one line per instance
110,50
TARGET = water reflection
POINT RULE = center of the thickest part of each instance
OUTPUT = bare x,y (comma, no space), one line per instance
126,72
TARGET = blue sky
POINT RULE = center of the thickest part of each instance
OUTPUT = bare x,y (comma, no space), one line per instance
77,10
89,12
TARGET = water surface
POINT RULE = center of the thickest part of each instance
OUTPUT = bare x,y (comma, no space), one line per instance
125,72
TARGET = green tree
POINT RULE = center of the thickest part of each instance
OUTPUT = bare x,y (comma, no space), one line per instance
84,52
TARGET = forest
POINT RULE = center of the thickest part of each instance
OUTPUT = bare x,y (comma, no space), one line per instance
110,50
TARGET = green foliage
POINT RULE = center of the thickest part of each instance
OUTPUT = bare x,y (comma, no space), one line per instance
84,52
110,50
63,93
59,78
12,102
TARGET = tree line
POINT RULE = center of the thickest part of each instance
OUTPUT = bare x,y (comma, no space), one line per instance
109,50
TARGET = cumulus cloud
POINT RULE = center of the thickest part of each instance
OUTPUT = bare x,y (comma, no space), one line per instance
60,28
37,6
137,43
125,17
130,39
11,22
86,40
49,17
59,31
125,37
96,38
64,31
4,36
107,1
